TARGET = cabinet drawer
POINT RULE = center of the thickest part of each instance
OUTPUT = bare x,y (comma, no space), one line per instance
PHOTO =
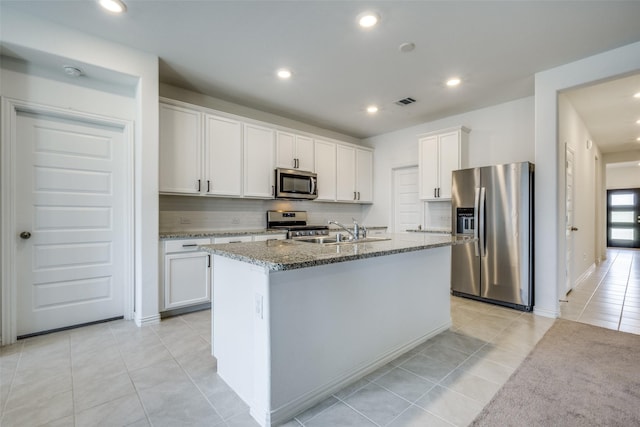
232,239
265,237
184,245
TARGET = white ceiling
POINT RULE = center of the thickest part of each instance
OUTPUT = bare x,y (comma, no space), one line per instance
231,49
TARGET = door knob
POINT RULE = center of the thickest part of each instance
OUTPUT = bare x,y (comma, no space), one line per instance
574,228
25,235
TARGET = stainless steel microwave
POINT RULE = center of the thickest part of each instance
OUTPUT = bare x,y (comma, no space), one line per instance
296,184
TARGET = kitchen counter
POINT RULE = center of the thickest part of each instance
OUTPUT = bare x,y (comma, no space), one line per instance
434,231
167,235
279,255
294,322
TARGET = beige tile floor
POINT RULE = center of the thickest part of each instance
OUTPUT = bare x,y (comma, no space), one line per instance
116,374
610,296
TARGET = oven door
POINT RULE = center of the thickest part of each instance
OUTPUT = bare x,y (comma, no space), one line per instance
295,184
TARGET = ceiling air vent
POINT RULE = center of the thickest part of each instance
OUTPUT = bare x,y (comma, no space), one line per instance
405,101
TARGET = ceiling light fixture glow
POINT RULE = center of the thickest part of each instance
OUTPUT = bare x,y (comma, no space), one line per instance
115,6
284,73
372,109
453,82
636,95
368,19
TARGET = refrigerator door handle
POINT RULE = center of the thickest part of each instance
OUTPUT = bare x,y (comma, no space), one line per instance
481,222
476,211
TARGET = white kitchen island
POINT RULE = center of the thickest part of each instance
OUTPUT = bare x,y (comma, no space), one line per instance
294,322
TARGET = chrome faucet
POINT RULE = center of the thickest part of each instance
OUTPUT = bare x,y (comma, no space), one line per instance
355,234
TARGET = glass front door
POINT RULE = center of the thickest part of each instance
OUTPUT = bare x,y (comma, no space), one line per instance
623,218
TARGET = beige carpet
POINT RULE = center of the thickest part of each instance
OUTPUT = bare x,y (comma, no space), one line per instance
577,375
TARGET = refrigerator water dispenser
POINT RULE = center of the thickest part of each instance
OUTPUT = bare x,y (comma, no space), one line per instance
465,223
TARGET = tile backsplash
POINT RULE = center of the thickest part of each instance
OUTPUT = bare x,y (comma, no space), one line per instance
438,215
192,213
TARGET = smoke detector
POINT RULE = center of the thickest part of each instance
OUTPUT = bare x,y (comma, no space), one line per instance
72,71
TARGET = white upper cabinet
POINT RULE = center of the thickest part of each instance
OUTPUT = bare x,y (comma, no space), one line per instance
364,175
223,156
354,174
325,159
294,151
259,148
180,150
440,153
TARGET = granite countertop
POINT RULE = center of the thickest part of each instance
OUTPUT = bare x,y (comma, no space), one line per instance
279,255
166,235
430,230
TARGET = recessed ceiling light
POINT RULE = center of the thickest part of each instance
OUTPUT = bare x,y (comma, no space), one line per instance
115,6
638,139
637,95
372,109
284,73
368,19
454,81
638,122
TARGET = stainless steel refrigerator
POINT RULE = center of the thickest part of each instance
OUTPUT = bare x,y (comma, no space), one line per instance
495,204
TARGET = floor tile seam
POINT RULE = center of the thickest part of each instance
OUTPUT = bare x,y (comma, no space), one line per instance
422,409
3,410
608,268
340,400
482,405
404,398
204,394
359,412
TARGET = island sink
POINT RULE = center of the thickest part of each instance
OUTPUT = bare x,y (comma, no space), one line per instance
333,241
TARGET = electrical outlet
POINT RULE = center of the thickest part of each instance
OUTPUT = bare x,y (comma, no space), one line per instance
184,220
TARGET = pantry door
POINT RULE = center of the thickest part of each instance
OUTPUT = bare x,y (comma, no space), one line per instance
73,180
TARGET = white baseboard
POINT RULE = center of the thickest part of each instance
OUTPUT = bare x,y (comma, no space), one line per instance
308,400
544,312
588,272
149,320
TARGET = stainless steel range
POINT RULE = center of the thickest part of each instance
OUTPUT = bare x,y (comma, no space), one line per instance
295,222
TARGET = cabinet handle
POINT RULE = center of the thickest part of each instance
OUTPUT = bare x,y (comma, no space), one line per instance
438,192
273,190
434,193
198,186
208,186
354,196
235,241
208,261
190,245
358,195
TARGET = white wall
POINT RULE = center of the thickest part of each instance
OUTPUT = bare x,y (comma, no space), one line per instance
52,41
623,177
549,152
573,132
499,134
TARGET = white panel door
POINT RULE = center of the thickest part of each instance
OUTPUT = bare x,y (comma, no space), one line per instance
569,226
407,207
71,198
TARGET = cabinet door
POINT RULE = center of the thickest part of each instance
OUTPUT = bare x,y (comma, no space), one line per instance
325,165
304,153
259,167
285,149
364,176
223,155
187,279
428,167
449,151
180,150
345,175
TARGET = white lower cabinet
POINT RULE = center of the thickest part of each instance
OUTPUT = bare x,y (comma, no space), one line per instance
186,274
233,239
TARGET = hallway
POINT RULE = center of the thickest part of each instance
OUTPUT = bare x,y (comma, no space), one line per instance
610,296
